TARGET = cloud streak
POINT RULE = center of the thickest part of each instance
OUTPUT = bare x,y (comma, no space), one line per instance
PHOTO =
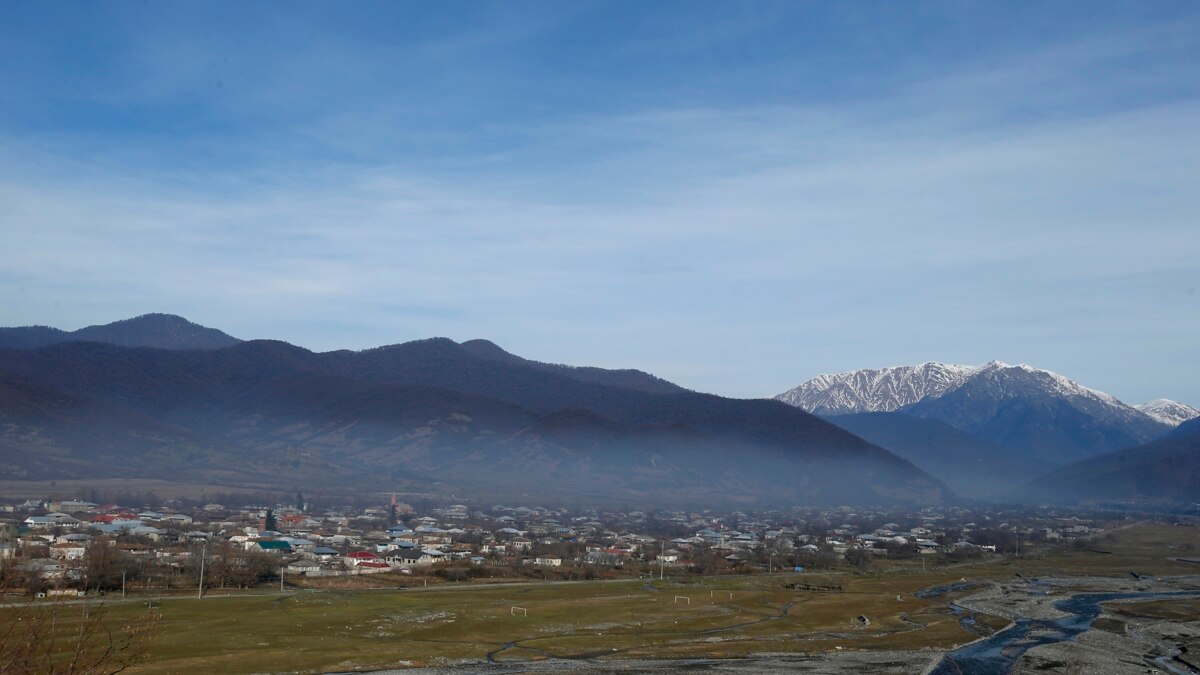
1011,208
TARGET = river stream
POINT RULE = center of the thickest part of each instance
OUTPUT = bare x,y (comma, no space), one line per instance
998,654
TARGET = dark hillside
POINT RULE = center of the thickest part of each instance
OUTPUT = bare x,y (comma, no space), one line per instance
1167,470
161,331
436,413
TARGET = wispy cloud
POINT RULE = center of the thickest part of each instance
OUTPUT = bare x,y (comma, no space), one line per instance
1012,207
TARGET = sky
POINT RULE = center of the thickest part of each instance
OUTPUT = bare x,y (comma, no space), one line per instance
734,196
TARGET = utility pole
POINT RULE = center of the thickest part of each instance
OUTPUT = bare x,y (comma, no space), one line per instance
122,583
281,576
662,545
200,589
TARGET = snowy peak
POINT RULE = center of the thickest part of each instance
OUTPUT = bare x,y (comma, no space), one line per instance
1027,410
882,390
1169,412
1024,376
890,389
1038,413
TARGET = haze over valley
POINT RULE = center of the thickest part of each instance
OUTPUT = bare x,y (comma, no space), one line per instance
157,396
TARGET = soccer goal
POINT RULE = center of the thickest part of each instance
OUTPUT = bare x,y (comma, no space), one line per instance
685,598
512,611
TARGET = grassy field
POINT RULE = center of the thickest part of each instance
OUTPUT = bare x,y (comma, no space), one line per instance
1145,548
1170,610
322,630
303,631
316,631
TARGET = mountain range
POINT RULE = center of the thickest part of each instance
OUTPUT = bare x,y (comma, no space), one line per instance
1028,411
882,390
157,396
161,331
987,430
1038,413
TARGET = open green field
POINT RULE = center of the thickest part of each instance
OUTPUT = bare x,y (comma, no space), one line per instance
1145,548
316,631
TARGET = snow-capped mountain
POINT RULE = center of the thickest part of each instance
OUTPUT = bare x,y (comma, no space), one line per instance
1038,413
1169,412
1027,410
882,390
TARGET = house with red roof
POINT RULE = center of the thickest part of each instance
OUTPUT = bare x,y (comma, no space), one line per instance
361,557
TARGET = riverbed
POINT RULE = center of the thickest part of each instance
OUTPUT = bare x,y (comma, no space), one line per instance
1053,628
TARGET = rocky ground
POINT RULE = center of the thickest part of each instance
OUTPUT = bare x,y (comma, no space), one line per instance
1035,598
1119,643
833,663
1115,644
1104,653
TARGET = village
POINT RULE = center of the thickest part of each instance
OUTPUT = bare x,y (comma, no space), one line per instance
72,547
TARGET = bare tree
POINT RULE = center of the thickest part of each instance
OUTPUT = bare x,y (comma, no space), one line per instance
241,568
42,638
858,558
104,564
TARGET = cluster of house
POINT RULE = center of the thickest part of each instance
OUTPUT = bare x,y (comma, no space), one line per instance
49,536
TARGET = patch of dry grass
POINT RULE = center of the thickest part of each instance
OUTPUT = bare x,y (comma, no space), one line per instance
342,629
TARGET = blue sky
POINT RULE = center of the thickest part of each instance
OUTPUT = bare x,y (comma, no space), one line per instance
735,196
